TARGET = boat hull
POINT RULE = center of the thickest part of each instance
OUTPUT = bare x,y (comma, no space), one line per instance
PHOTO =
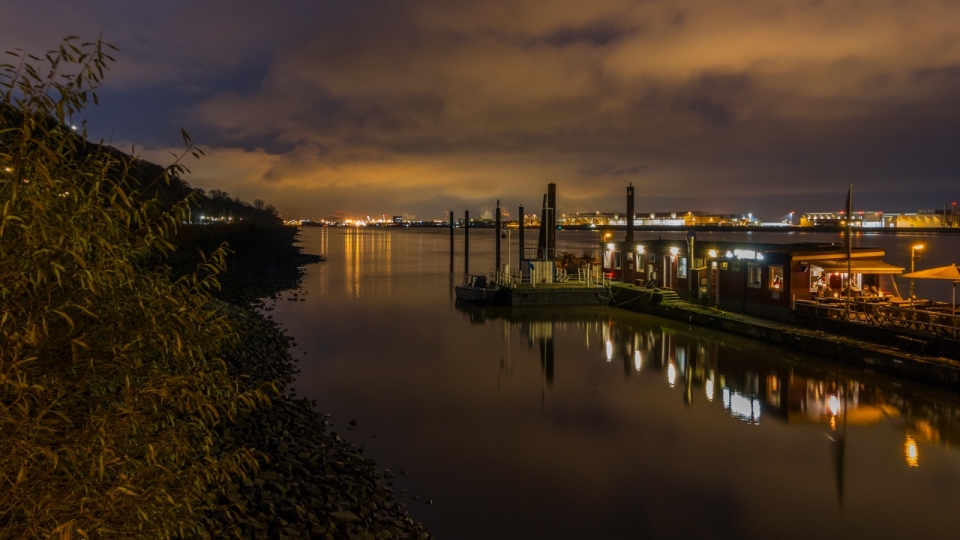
476,295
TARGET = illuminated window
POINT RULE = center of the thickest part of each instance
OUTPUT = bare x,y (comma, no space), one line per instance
682,267
753,276
818,280
724,265
776,278
607,254
616,260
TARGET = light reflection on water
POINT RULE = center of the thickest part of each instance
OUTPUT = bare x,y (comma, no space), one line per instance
599,423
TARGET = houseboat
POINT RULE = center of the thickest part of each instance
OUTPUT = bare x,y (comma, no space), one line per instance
766,280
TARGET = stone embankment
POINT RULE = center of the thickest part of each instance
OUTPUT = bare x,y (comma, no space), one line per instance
311,482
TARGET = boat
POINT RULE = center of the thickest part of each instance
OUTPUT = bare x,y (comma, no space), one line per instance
476,289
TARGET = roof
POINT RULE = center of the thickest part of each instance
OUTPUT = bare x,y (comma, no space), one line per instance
860,266
951,273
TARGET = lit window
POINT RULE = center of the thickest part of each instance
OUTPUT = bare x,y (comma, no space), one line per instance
682,267
776,278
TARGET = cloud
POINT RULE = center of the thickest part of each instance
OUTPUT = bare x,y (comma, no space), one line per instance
715,104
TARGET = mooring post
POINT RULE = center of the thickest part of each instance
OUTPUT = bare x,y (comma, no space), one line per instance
451,241
520,261
466,242
552,220
498,237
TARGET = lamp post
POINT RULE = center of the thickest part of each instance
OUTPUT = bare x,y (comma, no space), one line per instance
913,258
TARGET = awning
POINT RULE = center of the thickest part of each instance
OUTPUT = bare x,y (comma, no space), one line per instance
857,266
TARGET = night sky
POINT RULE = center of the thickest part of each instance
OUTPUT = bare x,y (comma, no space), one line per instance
386,107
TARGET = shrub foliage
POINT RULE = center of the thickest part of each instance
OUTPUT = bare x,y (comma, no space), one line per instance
110,382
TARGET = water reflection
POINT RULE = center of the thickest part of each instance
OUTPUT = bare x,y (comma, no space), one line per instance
753,389
563,424
367,253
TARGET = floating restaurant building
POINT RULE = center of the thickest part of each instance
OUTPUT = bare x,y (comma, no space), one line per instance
765,280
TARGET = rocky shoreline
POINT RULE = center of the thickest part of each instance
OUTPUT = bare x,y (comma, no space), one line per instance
312,483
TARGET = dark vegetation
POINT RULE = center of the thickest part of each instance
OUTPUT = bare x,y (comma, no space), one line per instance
133,401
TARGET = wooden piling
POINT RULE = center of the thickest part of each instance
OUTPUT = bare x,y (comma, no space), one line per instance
466,242
498,236
520,262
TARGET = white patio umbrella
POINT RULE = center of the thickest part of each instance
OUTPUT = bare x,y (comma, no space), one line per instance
947,273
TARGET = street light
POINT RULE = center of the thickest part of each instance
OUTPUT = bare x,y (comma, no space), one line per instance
913,258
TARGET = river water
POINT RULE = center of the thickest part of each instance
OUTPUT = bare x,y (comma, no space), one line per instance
600,423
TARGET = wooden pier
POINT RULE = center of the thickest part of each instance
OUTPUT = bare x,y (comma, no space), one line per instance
555,294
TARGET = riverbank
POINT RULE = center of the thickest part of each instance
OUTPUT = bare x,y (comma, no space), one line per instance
311,482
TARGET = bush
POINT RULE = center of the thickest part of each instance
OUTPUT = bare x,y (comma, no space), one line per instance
110,381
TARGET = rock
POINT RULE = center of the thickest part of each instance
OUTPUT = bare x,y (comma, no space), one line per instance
303,465
345,515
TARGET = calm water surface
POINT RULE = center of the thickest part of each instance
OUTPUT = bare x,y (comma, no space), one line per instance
599,423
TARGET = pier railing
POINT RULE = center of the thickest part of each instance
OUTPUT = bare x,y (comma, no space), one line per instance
583,276
918,317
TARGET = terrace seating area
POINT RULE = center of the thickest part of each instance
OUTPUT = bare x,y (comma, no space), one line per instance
915,317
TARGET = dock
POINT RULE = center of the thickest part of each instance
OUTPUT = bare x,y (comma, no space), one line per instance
555,294
849,348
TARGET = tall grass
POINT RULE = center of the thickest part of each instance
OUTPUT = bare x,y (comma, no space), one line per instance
110,382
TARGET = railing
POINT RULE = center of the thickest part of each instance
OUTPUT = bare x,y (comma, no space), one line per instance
918,317
536,253
583,276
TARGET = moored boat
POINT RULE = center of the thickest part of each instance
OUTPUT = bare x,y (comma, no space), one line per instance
476,289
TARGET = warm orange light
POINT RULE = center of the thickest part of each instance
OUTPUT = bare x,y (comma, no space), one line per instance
911,452
918,246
